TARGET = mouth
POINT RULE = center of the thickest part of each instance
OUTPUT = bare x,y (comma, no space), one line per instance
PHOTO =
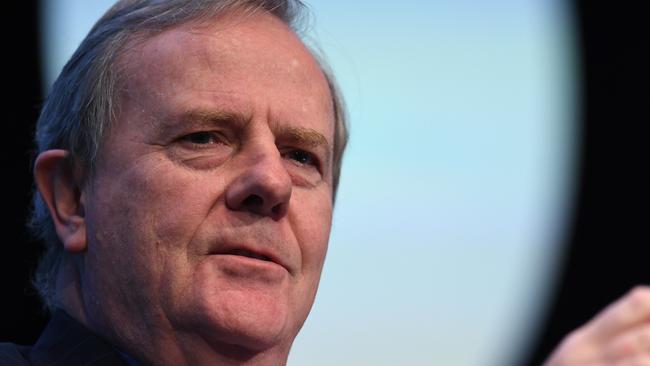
249,254
254,254
251,265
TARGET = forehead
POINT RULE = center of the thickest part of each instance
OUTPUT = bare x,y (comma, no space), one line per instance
248,63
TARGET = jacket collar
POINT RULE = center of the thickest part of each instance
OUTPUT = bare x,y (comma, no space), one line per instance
66,342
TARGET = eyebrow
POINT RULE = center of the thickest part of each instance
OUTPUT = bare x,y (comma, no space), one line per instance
301,136
204,117
305,137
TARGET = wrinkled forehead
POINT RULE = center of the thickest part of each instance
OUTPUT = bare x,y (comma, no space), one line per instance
239,52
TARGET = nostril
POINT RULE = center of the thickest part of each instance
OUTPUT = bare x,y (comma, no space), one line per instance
253,201
260,193
276,210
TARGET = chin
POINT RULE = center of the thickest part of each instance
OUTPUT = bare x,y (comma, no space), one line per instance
238,313
250,320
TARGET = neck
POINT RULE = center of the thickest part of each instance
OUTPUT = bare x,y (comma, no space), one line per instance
189,349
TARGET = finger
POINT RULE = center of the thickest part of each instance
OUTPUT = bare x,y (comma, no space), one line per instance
627,312
634,342
641,360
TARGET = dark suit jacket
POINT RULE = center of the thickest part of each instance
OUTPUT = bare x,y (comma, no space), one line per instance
63,342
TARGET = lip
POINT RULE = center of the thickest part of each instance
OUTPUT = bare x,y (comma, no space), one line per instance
251,253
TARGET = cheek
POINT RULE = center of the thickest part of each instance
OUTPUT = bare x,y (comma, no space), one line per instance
311,219
146,215
171,201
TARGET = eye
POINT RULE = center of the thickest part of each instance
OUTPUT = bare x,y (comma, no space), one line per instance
202,138
302,157
201,150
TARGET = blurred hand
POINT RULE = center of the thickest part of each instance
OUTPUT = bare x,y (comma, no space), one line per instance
618,336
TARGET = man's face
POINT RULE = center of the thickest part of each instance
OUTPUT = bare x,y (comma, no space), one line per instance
210,212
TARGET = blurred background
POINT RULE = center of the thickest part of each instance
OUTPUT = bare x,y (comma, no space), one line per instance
492,197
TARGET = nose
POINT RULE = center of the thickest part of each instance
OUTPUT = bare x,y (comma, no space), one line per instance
264,188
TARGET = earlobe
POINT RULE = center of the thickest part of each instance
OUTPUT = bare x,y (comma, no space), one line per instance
60,187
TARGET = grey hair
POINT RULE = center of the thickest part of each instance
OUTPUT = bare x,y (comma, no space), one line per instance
83,101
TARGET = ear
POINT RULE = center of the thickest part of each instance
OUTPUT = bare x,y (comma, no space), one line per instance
59,184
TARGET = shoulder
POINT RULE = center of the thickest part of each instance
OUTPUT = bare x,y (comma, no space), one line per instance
12,354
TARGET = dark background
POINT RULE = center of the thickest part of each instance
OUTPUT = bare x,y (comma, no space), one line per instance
21,317
605,252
